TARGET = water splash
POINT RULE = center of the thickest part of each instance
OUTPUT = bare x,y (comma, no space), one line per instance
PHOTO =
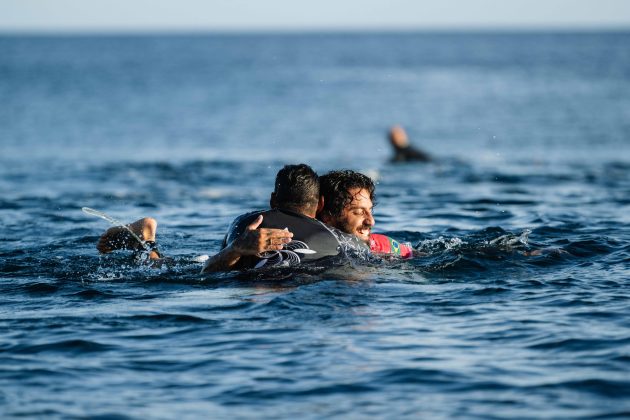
116,223
440,244
509,240
504,242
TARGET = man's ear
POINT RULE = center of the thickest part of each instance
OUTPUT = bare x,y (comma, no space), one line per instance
273,201
322,215
320,204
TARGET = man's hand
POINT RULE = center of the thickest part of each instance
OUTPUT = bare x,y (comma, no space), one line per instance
252,241
255,241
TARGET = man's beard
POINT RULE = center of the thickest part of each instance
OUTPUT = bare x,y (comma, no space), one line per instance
345,227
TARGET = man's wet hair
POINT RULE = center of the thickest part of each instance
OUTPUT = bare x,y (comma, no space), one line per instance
335,187
296,188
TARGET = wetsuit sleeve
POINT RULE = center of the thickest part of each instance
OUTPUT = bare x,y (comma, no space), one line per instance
409,154
382,244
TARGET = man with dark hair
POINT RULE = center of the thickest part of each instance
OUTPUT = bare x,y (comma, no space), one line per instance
297,189
347,199
285,235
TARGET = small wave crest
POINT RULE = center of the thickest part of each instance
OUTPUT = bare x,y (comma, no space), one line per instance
486,239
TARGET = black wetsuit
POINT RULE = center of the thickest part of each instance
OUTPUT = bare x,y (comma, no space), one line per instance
312,240
409,154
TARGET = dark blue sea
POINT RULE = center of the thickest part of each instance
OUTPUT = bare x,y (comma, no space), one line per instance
520,308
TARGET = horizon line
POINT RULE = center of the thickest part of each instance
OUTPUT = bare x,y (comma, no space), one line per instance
315,30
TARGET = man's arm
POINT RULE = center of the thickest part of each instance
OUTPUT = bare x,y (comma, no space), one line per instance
224,260
383,244
252,241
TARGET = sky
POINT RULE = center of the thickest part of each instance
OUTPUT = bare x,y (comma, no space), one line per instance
297,15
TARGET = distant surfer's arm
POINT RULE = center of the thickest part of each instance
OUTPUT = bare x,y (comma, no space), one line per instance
252,241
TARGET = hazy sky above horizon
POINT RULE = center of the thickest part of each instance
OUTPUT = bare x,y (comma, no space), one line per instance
184,15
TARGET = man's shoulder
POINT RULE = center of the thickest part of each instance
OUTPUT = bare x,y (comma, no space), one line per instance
274,218
238,225
247,217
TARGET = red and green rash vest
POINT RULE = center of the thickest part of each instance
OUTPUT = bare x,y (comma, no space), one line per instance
381,244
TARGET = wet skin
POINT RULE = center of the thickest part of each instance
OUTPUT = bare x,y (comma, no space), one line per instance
356,218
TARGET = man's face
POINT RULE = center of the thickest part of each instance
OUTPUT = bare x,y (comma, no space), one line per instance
356,218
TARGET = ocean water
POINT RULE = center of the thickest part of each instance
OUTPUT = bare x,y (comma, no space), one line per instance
519,309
